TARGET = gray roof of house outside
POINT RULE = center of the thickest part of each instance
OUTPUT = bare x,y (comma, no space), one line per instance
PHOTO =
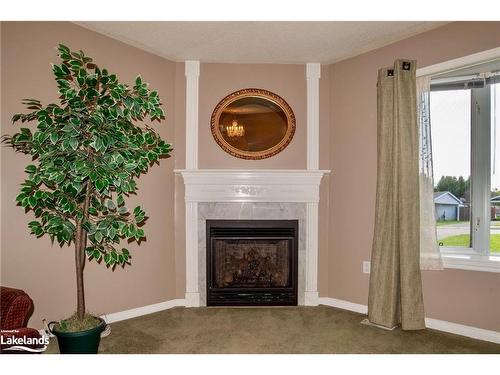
445,197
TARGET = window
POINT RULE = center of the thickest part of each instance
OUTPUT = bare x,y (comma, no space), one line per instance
465,120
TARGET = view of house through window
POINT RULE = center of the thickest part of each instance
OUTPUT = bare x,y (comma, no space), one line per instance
458,137
451,147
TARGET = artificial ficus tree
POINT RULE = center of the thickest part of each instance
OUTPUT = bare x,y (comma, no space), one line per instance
89,149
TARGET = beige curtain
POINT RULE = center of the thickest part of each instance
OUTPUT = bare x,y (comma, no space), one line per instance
395,295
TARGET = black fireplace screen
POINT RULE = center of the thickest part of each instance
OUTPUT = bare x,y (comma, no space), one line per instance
244,263
252,262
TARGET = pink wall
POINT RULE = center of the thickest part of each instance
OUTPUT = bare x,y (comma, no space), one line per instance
465,297
43,270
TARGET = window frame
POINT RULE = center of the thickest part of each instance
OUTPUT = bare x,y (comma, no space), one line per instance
479,257
481,169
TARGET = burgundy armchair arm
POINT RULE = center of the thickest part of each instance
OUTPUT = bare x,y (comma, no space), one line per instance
15,308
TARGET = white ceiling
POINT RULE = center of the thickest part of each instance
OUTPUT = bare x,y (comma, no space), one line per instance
259,42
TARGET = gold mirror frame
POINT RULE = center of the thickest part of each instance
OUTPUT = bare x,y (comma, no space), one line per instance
257,93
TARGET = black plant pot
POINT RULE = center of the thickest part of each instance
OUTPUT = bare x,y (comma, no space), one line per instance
83,342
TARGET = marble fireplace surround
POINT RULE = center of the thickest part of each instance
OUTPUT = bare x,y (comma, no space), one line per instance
251,194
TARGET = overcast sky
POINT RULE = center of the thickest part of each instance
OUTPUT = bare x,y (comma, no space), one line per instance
450,122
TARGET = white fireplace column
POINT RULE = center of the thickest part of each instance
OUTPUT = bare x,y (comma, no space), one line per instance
192,292
192,72
313,74
311,293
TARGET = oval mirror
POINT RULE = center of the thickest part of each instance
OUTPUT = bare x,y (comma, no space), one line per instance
253,124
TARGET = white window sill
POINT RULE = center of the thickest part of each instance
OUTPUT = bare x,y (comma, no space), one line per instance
466,259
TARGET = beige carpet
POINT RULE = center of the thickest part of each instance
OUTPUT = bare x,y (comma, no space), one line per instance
273,330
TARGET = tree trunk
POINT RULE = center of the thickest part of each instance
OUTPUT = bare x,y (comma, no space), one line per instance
80,245
79,262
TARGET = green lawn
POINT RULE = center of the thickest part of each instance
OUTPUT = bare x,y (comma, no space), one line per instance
462,240
447,222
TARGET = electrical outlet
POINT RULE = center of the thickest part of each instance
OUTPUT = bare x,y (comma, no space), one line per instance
366,267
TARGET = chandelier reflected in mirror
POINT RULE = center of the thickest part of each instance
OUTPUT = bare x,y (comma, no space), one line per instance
252,124
235,129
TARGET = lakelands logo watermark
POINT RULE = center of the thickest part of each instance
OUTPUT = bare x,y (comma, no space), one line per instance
11,340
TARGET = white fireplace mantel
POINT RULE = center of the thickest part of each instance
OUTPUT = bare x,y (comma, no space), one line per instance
230,185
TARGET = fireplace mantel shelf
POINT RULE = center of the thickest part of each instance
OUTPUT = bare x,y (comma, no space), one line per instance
235,185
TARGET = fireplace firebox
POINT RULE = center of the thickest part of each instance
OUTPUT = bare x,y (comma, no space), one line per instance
252,262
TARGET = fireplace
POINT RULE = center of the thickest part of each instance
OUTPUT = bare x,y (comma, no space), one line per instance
252,262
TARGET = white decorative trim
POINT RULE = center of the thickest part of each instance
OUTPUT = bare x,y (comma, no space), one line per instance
192,70
461,62
192,291
471,262
311,292
463,330
439,325
214,185
313,73
140,311
311,298
344,305
193,299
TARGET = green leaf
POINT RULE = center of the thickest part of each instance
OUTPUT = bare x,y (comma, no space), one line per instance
63,49
138,81
73,142
101,184
32,201
20,197
98,236
54,137
115,95
111,233
119,200
152,156
110,204
89,251
30,169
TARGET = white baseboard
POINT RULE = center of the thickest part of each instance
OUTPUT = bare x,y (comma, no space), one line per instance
460,329
345,305
439,325
144,310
